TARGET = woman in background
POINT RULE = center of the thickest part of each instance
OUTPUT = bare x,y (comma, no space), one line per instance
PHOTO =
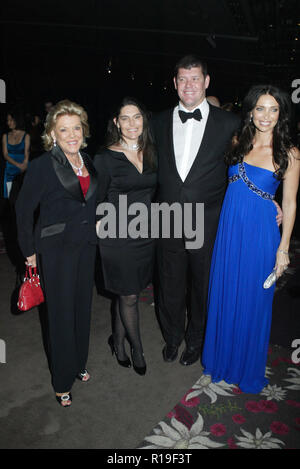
15,148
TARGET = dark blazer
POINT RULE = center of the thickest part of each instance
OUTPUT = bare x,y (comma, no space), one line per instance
207,179
65,216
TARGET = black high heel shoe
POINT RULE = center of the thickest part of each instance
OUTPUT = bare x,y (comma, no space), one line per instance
125,363
140,370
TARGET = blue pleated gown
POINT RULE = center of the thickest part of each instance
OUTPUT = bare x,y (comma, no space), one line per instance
239,308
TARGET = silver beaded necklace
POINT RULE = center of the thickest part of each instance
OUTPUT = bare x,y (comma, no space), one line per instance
134,146
78,169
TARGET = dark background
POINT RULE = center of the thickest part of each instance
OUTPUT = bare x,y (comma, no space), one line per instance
96,51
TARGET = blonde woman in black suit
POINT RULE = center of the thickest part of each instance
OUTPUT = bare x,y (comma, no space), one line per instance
63,184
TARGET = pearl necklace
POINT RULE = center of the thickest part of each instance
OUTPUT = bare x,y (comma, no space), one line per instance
79,170
134,146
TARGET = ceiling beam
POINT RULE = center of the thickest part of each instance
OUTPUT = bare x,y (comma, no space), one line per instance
133,30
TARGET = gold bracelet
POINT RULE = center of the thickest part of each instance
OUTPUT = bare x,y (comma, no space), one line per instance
284,252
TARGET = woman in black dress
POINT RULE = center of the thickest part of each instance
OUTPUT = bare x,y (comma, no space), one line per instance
127,175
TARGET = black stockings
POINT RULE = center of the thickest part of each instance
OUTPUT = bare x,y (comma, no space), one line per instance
126,324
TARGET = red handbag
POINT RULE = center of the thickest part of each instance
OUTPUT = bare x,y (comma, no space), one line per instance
30,293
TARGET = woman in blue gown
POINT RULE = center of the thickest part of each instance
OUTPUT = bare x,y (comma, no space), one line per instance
248,245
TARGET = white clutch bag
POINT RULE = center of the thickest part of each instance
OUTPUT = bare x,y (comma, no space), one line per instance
270,280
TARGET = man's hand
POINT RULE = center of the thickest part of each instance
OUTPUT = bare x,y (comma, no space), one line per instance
279,215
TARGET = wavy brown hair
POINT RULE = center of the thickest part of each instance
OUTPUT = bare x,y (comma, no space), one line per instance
282,143
145,140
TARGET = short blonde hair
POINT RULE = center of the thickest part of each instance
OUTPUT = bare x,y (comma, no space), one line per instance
62,108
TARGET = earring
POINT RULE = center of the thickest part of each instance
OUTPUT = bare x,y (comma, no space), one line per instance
54,142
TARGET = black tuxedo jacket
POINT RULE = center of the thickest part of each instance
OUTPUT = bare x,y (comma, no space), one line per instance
65,215
207,179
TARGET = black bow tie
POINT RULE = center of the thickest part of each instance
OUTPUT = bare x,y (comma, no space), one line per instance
184,116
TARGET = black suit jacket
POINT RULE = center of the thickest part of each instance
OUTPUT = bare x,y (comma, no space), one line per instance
65,216
207,179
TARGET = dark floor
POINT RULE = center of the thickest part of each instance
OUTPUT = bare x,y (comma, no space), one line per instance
286,305
117,408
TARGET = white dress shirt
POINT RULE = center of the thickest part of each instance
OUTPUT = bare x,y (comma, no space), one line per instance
187,137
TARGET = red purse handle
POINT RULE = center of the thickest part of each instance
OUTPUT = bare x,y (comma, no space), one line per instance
29,273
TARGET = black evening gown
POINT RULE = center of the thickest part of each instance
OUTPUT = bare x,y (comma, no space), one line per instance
127,262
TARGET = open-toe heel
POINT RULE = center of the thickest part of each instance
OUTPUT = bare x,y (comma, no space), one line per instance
84,376
64,398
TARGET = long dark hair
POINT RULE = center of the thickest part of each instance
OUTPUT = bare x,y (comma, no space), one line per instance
18,116
145,140
282,143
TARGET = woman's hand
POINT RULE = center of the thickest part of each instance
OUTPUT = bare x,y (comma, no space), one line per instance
23,166
98,227
31,260
282,262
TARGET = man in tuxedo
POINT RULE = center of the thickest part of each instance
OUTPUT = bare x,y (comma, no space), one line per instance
191,141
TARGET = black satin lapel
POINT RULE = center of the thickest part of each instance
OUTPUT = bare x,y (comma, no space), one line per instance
171,149
170,133
93,176
210,133
65,173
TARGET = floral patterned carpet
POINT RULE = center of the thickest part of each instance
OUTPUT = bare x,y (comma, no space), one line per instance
219,415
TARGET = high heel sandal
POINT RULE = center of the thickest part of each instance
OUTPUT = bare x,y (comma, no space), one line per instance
67,396
84,376
125,363
140,370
